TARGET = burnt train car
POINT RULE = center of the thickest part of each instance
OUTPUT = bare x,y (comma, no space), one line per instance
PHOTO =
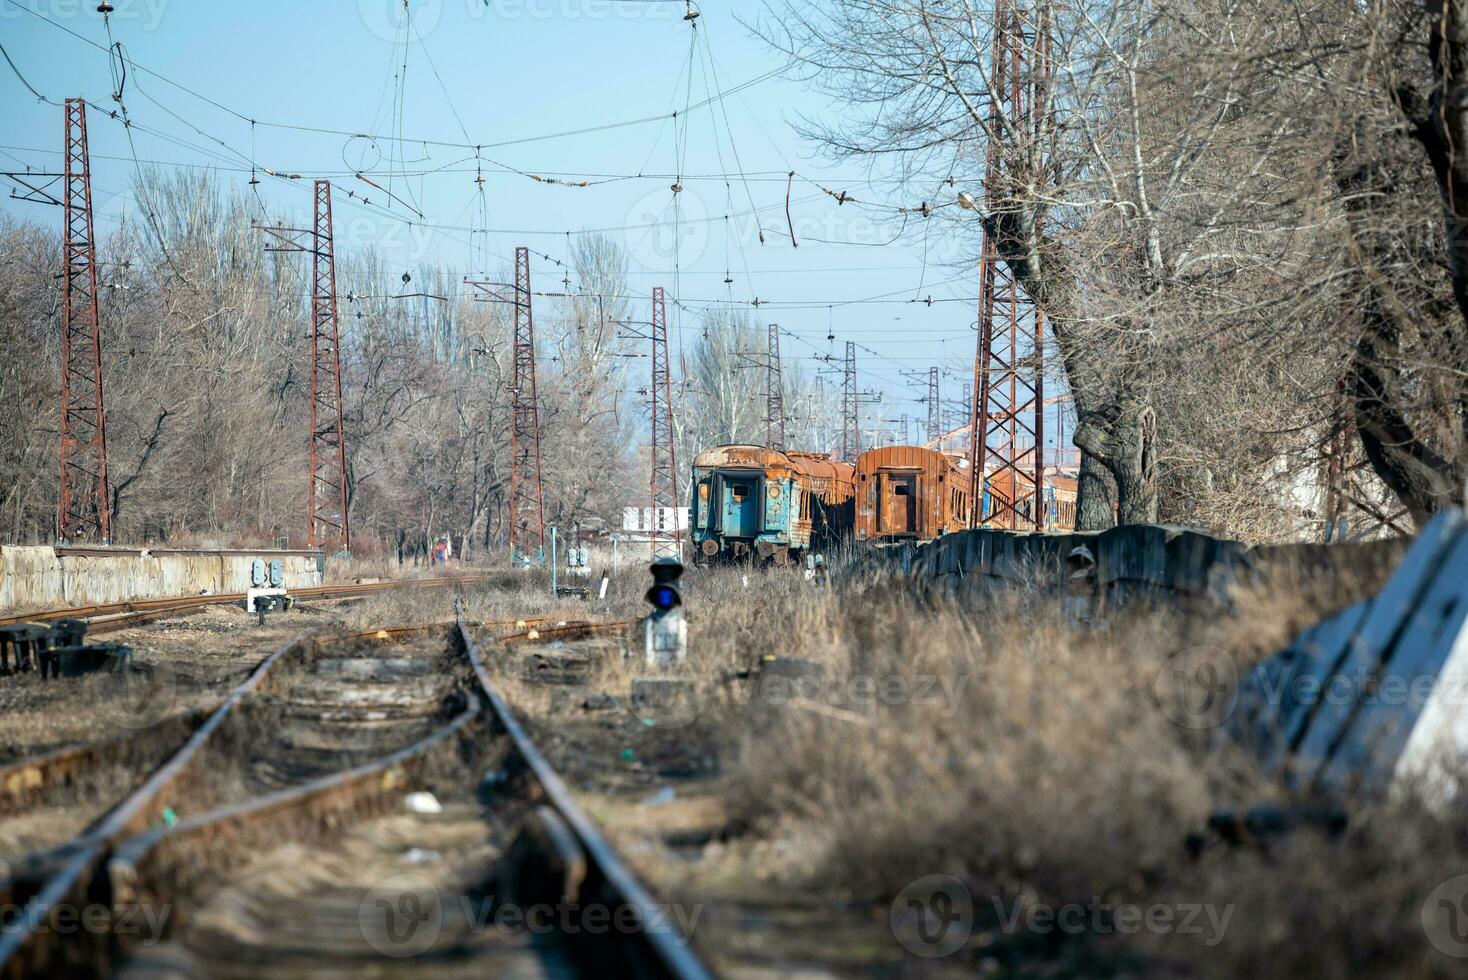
908,493
752,503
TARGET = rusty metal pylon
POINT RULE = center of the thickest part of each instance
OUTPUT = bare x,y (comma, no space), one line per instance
850,433
84,512
935,407
527,509
774,394
665,541
1007,420
327,522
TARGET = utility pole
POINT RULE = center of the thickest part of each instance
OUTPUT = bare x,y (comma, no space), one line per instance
850,435
84,511
774,394
665,543
527,506
935,407
328,526
1007,421
327,523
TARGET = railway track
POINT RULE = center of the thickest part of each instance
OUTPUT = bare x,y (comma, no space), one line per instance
276,866
110,617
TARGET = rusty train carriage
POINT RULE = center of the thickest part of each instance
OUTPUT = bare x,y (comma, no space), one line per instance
907,493
755,503
1057,500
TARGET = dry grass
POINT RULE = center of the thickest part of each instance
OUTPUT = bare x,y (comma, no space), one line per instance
1037,763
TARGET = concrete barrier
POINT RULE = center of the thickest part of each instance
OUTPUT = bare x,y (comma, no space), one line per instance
37,578
1142,561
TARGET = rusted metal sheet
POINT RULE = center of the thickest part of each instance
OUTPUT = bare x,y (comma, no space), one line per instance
908,493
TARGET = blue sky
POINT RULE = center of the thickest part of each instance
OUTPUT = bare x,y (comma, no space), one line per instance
512,72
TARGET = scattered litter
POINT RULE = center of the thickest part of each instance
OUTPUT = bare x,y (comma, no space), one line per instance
382,635
422,803
421,855
170,819
533,635
665,795
628,755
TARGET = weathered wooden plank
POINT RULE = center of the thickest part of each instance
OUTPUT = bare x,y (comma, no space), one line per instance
1410,681
1328,721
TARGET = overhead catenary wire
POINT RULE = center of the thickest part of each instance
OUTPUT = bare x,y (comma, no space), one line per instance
230,159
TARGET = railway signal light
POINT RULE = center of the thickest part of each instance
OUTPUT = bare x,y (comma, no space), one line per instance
663,595
665,631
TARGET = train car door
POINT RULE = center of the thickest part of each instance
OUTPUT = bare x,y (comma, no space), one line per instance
742,496
897,503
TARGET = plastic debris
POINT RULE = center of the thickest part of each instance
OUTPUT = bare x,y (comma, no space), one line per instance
422,803
667,794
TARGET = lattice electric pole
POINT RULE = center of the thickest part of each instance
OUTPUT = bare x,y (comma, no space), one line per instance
327,523
328,526
774,394
850,401
84,511
935,407
527,509
664,542
1007,422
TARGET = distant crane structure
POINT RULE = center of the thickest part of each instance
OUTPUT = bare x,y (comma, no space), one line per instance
84,511
1006,430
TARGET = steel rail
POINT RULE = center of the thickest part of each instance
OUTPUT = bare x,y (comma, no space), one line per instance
139,609
665,953
64,871
23,934
324,801
23,780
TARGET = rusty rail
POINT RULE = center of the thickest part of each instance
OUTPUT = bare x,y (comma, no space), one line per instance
650,952
22,781
66,871
22,946
140,610
130,854
565,632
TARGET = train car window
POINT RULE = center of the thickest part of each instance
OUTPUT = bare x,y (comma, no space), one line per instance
740,491
901,490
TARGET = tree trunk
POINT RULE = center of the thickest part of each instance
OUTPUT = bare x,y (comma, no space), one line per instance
1095,503
1382,381
1110,440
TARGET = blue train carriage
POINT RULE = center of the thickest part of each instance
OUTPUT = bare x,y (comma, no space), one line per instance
757,504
